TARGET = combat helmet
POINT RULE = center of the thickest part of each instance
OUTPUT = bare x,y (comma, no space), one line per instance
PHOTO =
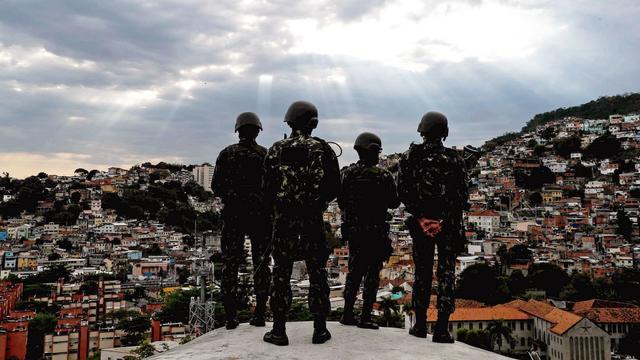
302,112
368,141
434,124
248,118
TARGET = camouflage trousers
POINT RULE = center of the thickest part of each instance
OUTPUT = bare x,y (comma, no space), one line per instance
236,226
423,257
299,238
368,249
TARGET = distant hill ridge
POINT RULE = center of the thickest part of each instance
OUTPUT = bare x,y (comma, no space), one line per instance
594,109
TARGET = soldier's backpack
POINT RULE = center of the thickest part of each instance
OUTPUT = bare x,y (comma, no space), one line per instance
364,194
301,175
433,175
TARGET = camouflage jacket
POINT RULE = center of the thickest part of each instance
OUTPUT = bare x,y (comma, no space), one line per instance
237,177
432,182
366,194
302,175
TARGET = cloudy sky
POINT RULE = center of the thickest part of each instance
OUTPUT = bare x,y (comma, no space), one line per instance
115,83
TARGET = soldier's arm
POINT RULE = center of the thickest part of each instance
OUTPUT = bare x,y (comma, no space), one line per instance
218,180
332,174
343,182
270,162
391,191
462,184
407,191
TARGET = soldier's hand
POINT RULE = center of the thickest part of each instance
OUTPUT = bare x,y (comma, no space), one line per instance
430,227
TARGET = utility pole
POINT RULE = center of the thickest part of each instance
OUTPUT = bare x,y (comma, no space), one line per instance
201,311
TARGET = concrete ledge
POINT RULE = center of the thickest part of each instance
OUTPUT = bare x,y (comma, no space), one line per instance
348,342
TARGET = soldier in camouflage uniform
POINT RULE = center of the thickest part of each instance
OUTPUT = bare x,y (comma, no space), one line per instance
302,177
237,180
433,186
366,194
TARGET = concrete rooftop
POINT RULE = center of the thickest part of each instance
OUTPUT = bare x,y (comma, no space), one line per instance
348,342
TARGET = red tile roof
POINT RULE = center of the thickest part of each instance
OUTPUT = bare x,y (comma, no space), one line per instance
598,303
484,213
612,315
561,320
482,314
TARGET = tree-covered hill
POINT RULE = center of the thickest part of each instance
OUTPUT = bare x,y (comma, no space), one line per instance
595,109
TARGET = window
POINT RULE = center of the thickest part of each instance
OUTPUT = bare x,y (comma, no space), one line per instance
522,341
480,325
459,325
470,326
528,326
521,325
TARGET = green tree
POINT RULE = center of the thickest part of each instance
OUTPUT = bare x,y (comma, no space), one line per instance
626,285
580,288
548,133
539,150
389,309
499,330
565,146
520,254
299,311
605,147
134,325
481,282
548,277
517,283
535,199
39,326
478,338
176,306
625,226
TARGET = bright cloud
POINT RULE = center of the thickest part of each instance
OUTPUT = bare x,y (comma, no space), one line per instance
412,34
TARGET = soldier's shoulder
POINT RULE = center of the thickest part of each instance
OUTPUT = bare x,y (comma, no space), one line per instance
413,148
229,150
319,139
261,148
386,173
453,154
349,169
278,144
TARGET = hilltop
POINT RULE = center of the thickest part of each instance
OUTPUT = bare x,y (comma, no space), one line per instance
594,109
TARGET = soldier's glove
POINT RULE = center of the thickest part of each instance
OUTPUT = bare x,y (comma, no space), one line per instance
430,227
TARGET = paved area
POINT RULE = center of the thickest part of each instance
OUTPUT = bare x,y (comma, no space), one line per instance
348,342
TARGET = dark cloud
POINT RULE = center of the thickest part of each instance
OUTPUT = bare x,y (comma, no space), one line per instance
124,82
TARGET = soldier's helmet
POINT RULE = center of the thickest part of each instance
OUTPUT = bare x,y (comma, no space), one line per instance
368,141
434,124
302,113
248,118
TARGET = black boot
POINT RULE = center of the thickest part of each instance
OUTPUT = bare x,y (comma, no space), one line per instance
366,323
230,312
441,332
232,323
258,314
365,319
419,329
320,332
277,335
347,316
